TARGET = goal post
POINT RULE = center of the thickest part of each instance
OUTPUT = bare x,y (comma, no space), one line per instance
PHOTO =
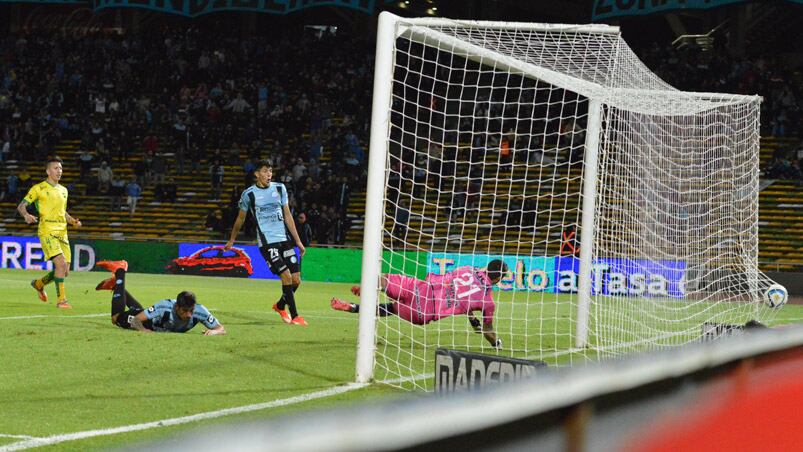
375,191
593,130
625,209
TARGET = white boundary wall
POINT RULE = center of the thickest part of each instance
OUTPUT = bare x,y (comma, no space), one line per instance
421,420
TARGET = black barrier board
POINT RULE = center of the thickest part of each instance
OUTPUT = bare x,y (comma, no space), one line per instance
713,331
459,371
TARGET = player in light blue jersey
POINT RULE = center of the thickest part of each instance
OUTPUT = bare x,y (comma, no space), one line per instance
267,202
173,316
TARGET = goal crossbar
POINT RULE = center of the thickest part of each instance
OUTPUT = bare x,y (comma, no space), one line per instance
668,102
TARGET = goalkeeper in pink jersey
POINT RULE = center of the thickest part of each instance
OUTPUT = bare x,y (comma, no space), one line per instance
461,291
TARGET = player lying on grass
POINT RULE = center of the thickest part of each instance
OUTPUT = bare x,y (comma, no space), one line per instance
461,291
175,316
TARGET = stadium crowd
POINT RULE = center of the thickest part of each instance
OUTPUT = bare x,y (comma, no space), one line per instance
202,102
769,76
192,101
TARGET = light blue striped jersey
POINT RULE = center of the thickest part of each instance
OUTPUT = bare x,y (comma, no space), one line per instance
164,318
267,206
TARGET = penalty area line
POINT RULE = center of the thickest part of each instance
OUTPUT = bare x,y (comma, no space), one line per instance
55,439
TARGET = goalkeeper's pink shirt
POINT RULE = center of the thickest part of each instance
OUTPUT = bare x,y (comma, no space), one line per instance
463,290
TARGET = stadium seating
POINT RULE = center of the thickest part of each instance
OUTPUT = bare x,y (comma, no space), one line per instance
152,220
780,216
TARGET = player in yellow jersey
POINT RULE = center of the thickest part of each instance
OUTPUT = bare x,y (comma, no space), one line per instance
50,199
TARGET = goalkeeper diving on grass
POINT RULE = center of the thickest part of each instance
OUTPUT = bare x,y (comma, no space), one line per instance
173,316
464,290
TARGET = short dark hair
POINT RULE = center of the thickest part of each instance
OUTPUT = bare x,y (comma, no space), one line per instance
53,159
185,299
263,162
496,269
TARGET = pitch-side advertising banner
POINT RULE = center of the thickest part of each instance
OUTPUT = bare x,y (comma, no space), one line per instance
244,261
26,253
619,277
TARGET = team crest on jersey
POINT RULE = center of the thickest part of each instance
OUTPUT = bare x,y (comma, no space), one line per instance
151,309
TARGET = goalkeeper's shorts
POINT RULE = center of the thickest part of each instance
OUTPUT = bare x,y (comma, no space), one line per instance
413,298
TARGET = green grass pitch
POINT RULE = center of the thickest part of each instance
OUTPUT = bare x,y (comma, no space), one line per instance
73,371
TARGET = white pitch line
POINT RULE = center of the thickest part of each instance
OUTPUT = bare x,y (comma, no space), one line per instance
55,439
44,316
4,435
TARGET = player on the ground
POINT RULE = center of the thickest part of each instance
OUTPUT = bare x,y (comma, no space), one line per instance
267,202
174,316
50,199
462,291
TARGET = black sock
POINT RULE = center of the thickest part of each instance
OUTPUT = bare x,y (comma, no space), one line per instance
290,300
119,295
386,309
132,302
281,304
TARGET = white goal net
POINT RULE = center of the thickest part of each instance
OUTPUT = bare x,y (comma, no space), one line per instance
625,209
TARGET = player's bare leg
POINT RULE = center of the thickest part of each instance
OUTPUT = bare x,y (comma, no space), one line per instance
60,271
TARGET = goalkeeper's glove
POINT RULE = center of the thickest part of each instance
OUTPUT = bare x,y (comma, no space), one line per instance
475,323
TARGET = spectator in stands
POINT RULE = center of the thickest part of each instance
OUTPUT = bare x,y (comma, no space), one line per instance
248,172
340,227
151,144
5,151
85,159
217,171
304,229
323,228
400,220
24,178
133,191
299,171
140,172
103,153
159,168
105,177
116,192
11,189
214,222
783,168
342,195
166,192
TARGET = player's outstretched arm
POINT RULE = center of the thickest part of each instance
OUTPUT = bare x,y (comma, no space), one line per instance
291,226
235,230
490,336
486,330
22,208
475,323
216,331
72,221
136,323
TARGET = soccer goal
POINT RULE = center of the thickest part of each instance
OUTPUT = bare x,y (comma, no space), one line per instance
626,209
